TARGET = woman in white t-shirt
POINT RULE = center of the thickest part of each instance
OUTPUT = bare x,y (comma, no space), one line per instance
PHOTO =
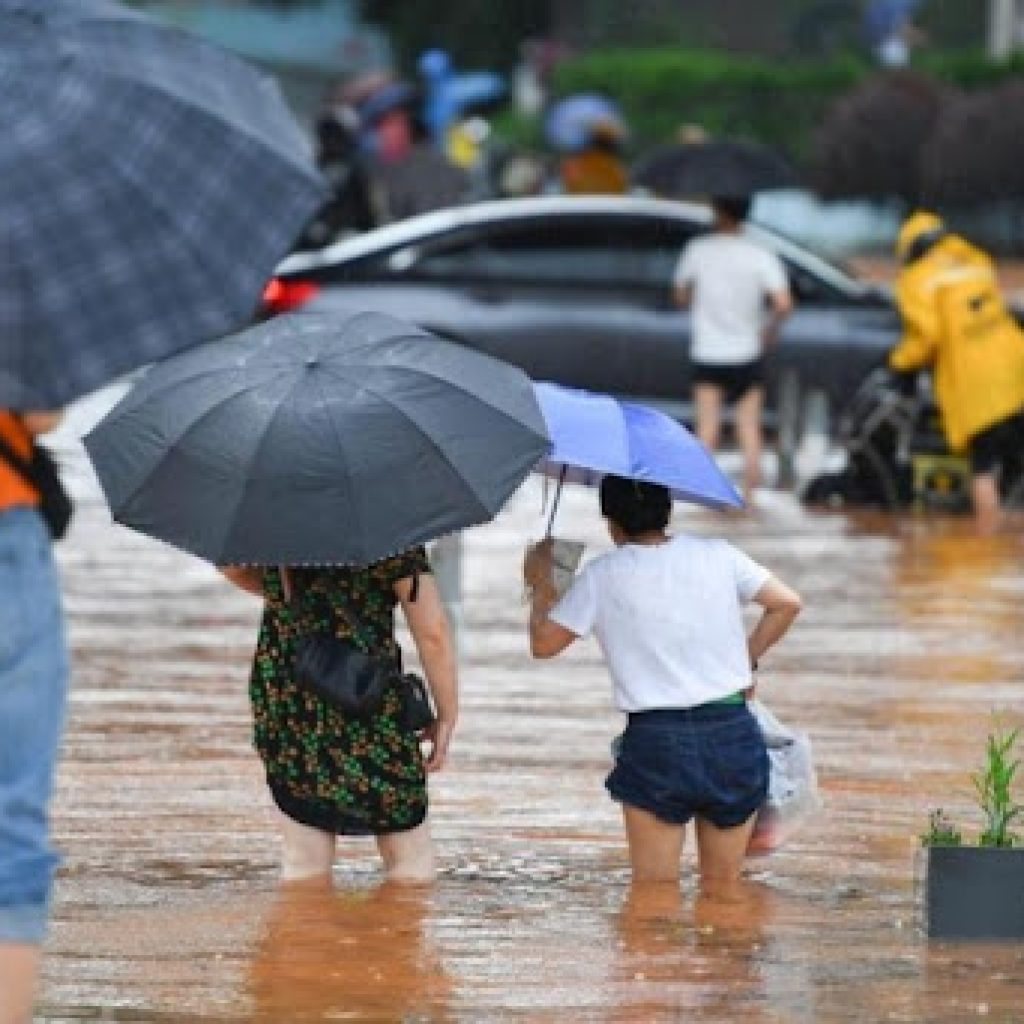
667,612
739,296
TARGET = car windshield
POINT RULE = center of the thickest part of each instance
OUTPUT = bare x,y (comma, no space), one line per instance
838,274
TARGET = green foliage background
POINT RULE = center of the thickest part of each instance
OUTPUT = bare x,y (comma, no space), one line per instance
775,102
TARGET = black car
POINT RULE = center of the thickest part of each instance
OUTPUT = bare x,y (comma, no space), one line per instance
578,290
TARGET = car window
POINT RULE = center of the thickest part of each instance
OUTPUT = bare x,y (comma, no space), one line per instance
809,289
813,279
584,251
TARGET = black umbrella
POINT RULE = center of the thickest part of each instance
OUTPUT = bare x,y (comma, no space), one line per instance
318,439
730,168
150,184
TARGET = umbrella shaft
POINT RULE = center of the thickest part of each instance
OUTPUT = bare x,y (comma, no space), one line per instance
554,504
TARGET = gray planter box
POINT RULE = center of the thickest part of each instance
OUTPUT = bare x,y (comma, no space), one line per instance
974,892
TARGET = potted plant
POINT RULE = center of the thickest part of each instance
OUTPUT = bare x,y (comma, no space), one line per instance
976,891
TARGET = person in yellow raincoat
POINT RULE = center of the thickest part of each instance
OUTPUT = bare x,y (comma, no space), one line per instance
956,322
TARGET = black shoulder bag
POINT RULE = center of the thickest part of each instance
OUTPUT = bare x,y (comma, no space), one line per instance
353,680
55,505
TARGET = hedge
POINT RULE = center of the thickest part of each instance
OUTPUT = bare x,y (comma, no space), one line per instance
776,103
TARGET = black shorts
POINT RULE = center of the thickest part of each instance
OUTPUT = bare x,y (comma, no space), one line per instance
709,761
734,379
998,445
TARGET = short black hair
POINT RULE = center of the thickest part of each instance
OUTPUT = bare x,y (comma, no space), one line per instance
736,208
635,506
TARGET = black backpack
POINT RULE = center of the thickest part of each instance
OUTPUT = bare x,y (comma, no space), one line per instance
55,505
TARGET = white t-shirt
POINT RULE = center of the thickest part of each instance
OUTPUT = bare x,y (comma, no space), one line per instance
731,278
669,619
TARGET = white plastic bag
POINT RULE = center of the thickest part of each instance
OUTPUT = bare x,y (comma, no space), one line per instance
792,783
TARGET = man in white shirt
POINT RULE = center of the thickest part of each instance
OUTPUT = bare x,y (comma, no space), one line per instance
739,294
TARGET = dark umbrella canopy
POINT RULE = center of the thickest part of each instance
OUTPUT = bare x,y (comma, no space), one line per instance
318,439
150,184
730,168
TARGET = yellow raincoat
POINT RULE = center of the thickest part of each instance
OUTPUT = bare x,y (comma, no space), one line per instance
955,320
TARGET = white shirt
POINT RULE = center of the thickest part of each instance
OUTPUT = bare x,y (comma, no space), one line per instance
669,619
731,278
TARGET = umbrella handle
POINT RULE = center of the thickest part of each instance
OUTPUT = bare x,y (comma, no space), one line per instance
554,503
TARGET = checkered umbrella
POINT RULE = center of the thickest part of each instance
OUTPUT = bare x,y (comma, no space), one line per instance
149,183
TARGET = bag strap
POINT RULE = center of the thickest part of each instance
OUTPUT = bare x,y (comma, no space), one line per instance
351,620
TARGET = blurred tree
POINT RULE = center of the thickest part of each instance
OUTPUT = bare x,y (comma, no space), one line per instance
952,25
976,153
870,143
477,35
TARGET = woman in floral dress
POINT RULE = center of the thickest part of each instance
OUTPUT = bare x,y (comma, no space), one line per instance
334,775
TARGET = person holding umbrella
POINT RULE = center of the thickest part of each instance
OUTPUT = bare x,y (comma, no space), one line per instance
668,614
33,691
588,132
112,238
729,282
329,774
304,453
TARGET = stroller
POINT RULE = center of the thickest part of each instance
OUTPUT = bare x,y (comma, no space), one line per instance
896,454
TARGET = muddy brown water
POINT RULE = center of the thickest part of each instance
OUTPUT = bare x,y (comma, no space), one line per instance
167,909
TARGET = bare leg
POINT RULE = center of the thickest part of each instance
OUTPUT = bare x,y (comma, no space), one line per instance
305,852
19,969
721,852
748,434
707,400
985,499
408,856
654,846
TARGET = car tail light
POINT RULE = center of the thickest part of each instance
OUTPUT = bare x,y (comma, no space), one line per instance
282,296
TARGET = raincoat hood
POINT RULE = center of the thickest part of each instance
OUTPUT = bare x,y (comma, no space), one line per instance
917,229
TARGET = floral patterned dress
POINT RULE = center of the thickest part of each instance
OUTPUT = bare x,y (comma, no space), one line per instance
342,775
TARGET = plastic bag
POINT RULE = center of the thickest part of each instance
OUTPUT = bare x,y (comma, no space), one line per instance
792,783
565,560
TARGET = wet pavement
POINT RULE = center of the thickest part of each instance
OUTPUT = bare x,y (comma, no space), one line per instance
167,908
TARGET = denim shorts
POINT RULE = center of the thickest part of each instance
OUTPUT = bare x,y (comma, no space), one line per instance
33,695
709,761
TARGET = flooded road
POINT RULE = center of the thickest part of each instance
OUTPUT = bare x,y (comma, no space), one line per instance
167,908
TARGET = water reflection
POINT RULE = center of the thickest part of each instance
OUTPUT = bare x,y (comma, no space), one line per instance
355,955
691,953
967,586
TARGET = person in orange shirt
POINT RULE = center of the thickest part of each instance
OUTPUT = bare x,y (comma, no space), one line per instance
598,168
33,696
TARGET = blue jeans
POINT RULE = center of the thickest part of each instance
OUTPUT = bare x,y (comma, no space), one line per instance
33,698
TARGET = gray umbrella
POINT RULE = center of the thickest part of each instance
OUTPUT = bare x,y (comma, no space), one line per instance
150,184
317,439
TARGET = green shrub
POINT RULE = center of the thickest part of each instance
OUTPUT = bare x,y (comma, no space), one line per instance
776,103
